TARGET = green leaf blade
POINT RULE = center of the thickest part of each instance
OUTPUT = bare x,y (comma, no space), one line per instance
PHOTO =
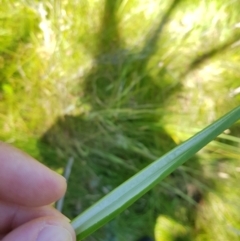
123,196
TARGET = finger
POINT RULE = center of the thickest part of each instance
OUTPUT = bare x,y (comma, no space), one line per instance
13,215
42,229
25,181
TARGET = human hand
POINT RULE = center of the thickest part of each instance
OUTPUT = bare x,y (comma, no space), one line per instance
26,190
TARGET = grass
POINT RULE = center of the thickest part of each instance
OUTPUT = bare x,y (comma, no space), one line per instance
116,84
130,191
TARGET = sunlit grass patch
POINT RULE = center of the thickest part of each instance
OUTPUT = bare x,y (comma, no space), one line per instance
167,229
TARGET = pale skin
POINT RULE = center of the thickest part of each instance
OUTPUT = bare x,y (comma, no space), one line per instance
27,190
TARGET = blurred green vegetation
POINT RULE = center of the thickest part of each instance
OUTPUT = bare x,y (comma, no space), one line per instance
116,84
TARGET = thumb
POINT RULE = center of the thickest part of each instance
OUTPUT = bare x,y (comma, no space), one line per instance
42,229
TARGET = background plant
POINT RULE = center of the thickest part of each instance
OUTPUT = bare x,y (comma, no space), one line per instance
116,84
127,193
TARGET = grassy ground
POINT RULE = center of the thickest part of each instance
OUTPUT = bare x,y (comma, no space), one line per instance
116,84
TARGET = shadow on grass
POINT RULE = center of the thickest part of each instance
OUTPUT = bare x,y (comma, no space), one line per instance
121,134
220,49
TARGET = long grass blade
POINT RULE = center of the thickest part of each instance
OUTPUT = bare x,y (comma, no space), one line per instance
123,196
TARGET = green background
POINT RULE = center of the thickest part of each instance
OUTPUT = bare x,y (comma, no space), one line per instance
116,84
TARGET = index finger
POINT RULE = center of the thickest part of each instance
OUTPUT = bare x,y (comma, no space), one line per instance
25,181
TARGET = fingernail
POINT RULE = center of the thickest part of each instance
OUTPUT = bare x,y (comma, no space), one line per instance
54,233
